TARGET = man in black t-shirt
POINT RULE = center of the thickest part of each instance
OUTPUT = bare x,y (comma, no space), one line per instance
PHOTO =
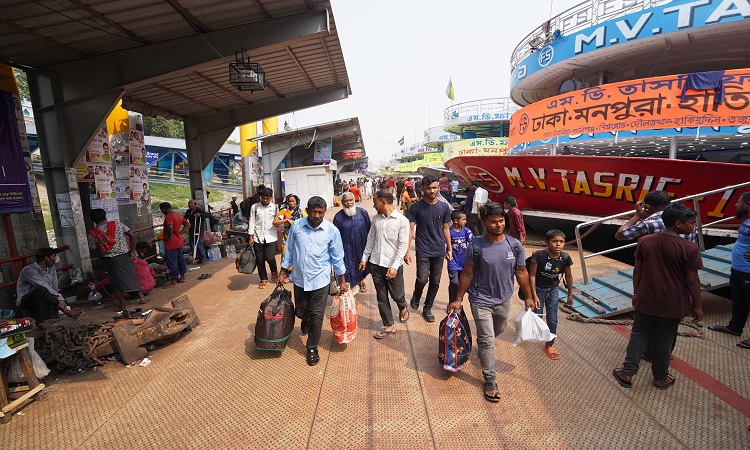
399,189
432,243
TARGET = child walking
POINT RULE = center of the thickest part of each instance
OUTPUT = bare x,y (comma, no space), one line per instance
545,268
460,239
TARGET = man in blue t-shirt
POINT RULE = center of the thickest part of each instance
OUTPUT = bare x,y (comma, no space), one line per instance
432,243
739,279
489,266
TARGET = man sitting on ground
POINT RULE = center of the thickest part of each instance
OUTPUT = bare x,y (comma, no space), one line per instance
38,291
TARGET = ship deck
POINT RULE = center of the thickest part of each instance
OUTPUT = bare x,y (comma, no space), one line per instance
212,389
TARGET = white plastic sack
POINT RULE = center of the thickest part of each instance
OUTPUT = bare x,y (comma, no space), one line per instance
531,328
15,370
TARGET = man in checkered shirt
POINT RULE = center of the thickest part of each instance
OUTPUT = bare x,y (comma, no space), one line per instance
647,219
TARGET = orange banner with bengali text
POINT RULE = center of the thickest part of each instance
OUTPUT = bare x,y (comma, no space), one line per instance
645,104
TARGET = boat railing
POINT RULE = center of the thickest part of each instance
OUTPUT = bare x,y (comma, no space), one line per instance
579,17
486,106
696,198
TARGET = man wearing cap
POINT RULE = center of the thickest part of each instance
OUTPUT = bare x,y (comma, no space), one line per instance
233,204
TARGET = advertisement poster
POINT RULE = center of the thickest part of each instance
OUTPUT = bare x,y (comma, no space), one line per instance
25,147
15,194
104,180
322,151
85,172
121,155
138,182
122,191
98,150
135,140
65,209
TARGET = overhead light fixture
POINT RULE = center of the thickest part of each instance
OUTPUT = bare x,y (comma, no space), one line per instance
245,75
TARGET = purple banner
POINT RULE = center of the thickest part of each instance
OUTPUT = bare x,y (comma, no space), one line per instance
15,196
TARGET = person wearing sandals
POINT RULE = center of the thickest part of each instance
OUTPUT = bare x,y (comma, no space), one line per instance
489,265
387,243
263,235
545,269
289,212
353,223
739,277
37,291
314,248
116,258
665,279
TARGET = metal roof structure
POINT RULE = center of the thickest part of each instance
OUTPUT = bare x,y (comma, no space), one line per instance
49,32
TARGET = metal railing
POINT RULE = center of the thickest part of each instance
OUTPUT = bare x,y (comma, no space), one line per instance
579,17
489,106
696,206
23,259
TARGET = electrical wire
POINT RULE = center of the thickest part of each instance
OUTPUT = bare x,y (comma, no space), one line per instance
660,58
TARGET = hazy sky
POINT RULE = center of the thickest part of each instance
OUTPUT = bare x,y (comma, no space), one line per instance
401,54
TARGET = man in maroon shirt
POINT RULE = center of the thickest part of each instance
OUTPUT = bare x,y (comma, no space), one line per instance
516,227
665,279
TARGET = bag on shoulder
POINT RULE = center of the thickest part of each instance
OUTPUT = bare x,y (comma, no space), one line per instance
454,341
104,241
245,262
275,321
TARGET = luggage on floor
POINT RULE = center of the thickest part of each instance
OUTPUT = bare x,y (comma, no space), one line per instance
275,321
245,262
344,318
455,341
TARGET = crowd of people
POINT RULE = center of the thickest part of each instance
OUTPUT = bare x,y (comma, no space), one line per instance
481,241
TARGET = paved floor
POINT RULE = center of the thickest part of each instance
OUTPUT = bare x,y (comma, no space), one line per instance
212,389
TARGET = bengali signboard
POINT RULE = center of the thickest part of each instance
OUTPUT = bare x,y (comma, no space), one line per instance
15,194
475,147
600,185
651,103
352,154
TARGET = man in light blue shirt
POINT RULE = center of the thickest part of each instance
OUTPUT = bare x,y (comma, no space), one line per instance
314,246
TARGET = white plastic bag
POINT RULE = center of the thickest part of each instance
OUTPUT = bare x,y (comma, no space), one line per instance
531,328
15,371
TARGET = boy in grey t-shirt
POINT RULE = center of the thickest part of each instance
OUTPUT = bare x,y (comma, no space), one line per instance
489,267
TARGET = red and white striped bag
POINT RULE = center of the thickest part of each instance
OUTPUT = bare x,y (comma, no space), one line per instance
344,318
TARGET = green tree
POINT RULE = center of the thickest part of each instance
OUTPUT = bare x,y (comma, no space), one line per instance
23,84
233,142
163,127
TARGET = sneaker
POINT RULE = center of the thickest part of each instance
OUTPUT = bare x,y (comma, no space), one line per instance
312,356
427,314
414,303
303,327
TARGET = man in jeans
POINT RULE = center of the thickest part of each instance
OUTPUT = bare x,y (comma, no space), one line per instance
314,246
432,243
489,265
387,243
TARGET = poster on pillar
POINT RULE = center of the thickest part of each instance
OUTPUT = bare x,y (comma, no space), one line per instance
138,182
121,155
322,151
15,195
104,181
98,150
137,145
122,191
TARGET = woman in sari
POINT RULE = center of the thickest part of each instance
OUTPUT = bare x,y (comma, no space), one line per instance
289,212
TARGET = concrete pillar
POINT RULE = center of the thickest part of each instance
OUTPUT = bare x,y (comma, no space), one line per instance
200,149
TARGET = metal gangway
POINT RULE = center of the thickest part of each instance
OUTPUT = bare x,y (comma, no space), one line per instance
611,294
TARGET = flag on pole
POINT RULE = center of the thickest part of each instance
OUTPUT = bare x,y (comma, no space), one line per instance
449,90
401,141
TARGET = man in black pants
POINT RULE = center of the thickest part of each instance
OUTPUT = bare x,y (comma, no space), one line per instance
263,235
432,243
37,289
314,246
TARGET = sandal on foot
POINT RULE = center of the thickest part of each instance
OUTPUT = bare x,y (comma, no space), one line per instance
668,382
403,315
494,398
744,344
145,300
551,352
263,284
363,288
620,381
383,334
723,329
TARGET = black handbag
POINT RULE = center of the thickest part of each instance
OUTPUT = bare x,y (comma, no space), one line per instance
333,288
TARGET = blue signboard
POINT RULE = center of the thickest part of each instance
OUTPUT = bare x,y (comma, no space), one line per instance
15,194
674,16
